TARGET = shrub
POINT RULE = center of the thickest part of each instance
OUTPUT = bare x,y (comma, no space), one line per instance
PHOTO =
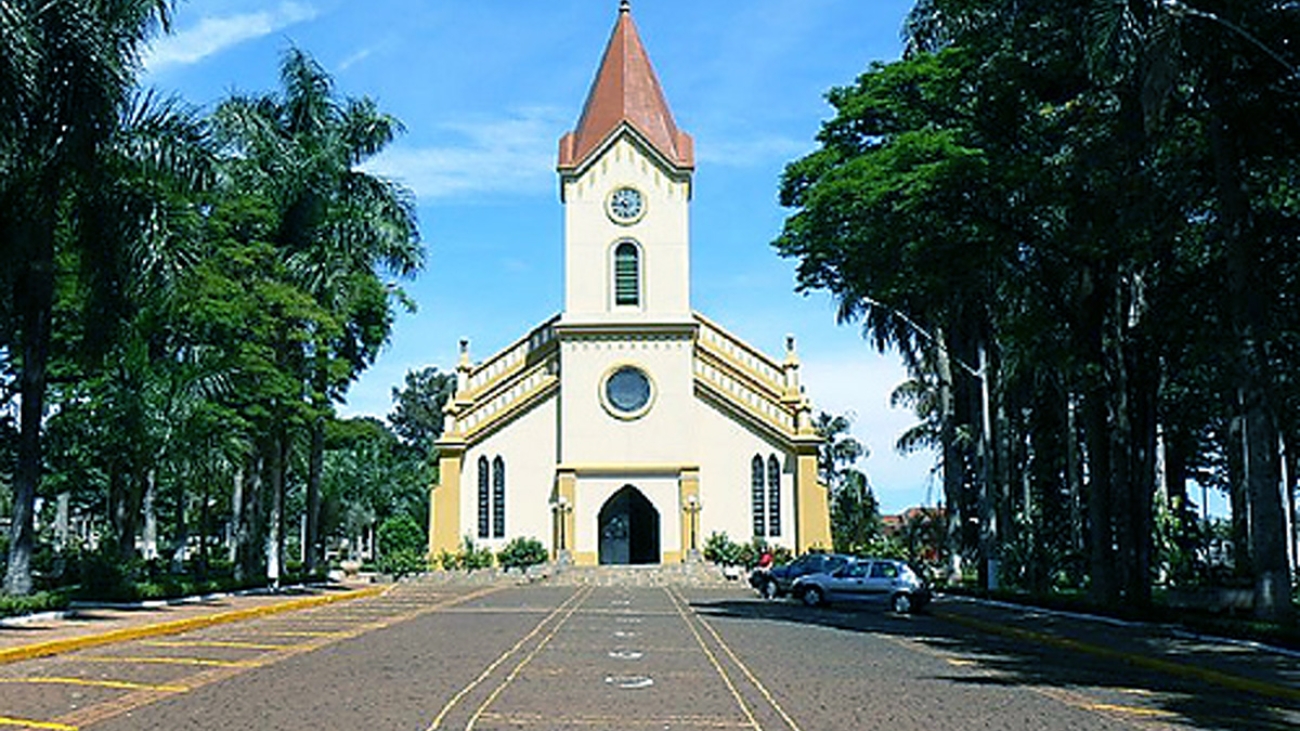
402,562
401,533
722,550
468,558
473,559
44,601
520,553
447,561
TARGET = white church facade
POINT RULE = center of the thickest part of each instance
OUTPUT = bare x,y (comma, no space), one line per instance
628,428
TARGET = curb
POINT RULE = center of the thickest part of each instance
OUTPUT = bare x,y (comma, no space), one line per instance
1169,667
54,647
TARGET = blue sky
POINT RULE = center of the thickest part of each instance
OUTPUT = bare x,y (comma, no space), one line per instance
487,87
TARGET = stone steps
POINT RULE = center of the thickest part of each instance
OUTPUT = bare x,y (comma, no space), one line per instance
684,574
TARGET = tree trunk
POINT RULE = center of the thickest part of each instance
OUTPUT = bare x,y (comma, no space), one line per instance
248,533
1074,474
1248,311
35,296
311,549
954,465
274,462
1267,526
180,544
150,537
236,517
130,507
1240,504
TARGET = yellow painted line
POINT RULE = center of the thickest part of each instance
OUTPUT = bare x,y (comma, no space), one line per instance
1130,710
25,723
519,667
90,683
302,633
216,643
136,660
743,668
54,647
456,699
726,679
1168,667
959,662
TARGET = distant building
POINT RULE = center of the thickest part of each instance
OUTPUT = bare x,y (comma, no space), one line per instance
628,428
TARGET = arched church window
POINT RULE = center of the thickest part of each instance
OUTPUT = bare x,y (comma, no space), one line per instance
484,500
498,497
773,497
627,275
758,498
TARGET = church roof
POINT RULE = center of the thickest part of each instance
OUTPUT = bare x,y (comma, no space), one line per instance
626,91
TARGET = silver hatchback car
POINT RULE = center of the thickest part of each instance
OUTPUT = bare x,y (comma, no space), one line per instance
881,580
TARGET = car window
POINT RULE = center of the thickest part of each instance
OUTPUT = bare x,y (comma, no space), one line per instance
855,571
834,562
882,570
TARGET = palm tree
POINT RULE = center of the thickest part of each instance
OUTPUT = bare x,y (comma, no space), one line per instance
65,82
339,226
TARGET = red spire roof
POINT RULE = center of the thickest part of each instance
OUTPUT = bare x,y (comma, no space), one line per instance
626,91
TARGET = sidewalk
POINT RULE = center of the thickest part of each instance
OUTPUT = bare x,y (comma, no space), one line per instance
1238,665
22,638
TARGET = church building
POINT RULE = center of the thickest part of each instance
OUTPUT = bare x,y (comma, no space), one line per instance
628,428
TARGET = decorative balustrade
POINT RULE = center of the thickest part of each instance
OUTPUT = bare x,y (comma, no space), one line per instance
485,375
483,413
768,372
760,404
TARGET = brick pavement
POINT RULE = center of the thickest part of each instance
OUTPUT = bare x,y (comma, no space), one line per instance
23,638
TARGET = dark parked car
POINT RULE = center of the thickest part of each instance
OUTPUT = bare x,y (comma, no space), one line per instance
883,580
779,579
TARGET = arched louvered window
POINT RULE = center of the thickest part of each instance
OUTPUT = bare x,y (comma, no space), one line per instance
484,499
627,275
758,498
773,497
498,498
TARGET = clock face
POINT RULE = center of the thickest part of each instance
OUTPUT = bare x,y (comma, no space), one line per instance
626,205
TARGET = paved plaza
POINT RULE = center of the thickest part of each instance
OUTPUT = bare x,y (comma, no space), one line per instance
568,655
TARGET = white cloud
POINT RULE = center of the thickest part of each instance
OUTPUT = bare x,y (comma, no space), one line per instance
514,155
355,58
215,34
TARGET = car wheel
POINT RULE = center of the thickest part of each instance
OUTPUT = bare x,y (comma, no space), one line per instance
812,596
902,603
770,590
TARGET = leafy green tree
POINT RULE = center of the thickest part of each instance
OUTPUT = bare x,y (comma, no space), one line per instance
417,408
337,226
855,516
69,140
1036,206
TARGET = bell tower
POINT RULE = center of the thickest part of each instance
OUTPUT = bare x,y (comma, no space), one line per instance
625,181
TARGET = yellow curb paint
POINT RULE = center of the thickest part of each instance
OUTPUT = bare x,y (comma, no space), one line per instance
24,723
1226,680
54,647
198,661
300,633
1131,710
135,660
216,643
113,684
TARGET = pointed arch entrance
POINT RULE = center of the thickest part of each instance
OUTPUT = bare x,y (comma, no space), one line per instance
629,528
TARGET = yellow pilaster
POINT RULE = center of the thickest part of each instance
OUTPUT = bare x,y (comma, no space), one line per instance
812,507
689,508
564,501
444,507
